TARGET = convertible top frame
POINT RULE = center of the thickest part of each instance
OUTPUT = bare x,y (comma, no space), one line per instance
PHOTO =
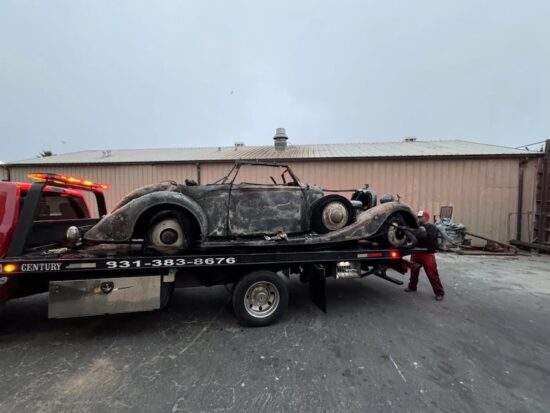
235,171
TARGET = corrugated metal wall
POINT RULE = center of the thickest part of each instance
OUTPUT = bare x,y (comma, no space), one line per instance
483,192
3,173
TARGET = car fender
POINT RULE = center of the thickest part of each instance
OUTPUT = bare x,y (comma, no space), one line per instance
119,225
147,189
368,223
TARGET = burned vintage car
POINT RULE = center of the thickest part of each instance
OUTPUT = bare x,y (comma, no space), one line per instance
232,211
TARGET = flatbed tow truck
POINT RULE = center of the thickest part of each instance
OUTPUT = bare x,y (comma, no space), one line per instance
106,279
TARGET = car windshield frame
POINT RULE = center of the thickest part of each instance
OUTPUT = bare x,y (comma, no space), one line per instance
234,172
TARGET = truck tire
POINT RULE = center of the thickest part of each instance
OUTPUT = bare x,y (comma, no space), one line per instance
260,298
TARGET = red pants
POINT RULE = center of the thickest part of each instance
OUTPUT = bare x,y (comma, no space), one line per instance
430,267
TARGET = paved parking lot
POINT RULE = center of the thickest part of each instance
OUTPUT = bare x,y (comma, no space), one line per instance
485,348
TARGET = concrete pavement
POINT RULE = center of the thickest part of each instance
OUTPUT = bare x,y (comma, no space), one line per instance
485,348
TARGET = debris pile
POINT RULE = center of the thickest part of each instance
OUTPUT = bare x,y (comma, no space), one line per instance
452,234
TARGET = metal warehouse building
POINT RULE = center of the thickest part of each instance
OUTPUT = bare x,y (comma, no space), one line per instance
488,186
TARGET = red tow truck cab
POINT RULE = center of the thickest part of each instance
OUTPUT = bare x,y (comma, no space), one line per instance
61,202
37,216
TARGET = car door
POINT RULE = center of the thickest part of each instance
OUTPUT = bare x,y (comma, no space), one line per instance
262,209
214,199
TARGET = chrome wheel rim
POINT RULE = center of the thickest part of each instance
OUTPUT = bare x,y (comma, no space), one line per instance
261,299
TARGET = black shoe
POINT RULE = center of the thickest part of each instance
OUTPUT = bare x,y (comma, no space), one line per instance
438,298
409,290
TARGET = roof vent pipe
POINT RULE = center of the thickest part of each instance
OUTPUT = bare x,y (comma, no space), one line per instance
280,139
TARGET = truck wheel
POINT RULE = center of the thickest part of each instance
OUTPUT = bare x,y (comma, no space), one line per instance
168,230
260,298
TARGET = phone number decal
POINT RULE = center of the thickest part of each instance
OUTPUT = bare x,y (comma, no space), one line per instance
171,262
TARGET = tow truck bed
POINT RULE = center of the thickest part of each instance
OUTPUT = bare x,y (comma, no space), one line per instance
112,258
98,280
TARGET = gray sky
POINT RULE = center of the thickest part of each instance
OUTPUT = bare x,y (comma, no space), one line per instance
135,74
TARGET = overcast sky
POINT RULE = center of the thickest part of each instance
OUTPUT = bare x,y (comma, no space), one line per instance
80,75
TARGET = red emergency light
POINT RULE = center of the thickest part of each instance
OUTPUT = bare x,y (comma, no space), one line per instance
70,181
394,254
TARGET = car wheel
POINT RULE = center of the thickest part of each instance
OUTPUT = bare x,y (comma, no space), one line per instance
260,298
397,237
168,230
331,213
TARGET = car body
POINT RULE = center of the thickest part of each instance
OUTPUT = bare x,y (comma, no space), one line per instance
232,211
57,204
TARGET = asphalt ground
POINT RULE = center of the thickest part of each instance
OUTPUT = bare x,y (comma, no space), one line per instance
485,348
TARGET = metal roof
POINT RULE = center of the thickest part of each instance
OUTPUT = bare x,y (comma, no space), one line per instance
416,149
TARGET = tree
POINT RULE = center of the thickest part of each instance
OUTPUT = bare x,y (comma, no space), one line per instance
45,153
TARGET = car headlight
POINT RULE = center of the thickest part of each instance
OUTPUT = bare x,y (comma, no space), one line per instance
73,234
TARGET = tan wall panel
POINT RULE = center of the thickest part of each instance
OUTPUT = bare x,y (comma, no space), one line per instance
214,171
483,192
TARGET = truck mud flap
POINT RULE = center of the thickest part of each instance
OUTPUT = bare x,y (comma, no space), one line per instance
401,266
317,285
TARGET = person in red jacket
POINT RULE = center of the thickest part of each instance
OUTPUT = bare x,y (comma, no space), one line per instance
427,238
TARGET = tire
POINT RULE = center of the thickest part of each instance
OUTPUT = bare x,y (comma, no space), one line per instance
395,237
323,220
168,231
260,298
